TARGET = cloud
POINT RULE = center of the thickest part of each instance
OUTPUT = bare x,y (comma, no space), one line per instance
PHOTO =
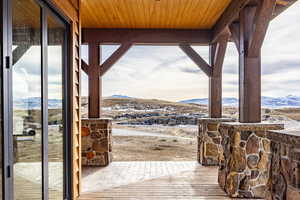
192,71
280,66
166,72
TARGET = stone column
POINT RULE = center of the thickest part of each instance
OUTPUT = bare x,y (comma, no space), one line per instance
96,142
244,168
285,165
209,140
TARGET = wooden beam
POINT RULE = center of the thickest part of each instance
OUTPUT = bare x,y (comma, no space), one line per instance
84,67
249,73
147,36
19,52
215,88
114,57
262,19
216,57
215,97
198,60
94,81
229,15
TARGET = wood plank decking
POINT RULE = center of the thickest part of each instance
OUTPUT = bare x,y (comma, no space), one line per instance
151,180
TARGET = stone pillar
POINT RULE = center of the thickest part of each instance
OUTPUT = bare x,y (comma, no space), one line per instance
209,141
244,168
96,142
285,165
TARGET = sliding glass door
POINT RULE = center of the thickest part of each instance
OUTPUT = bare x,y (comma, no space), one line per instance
36,102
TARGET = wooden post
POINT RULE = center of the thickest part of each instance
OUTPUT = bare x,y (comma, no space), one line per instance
215,97
249,72
253,25
216,56
215,88
94,81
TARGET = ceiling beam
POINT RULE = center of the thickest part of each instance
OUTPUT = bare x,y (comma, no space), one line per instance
147,36
198,60
230,14
108,63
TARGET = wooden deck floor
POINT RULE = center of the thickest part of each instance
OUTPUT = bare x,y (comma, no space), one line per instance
151,180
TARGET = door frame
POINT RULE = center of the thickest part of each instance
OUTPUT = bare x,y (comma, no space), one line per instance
5,69
47,9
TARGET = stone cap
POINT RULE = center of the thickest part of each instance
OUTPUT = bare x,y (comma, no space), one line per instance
287,137
97,119
215,120
261,126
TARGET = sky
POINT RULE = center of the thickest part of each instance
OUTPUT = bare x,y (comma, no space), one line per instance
167,73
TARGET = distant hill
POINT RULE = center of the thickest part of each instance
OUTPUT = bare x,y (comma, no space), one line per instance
118,96
35,103
267,102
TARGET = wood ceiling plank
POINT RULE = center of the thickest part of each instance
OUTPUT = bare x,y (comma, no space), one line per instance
182,14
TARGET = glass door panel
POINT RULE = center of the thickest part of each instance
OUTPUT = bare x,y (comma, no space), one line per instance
27,95
56,41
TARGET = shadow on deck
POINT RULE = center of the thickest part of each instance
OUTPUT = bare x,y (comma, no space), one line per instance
151,180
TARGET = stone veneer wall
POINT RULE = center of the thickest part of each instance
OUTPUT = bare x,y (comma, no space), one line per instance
96,142
209,140
244,167
285,165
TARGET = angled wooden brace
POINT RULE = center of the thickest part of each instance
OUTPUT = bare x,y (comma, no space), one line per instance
84,67
260,23
198,60
19,52
114,57
217,54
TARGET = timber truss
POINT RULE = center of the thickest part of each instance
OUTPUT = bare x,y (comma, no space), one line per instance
244,22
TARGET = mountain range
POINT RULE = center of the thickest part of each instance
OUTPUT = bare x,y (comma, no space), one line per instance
267,102
35,103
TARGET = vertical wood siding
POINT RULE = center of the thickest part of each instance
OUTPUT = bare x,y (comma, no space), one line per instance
71,8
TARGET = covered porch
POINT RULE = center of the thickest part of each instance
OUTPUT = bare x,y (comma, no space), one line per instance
246,154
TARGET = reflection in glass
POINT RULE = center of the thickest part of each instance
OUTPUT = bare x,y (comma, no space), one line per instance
27,115
56,32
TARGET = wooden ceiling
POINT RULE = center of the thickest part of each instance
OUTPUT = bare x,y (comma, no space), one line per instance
177,14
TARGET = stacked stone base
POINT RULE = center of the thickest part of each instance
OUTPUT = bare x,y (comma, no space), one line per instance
96,142
209,141
285,165
244,168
